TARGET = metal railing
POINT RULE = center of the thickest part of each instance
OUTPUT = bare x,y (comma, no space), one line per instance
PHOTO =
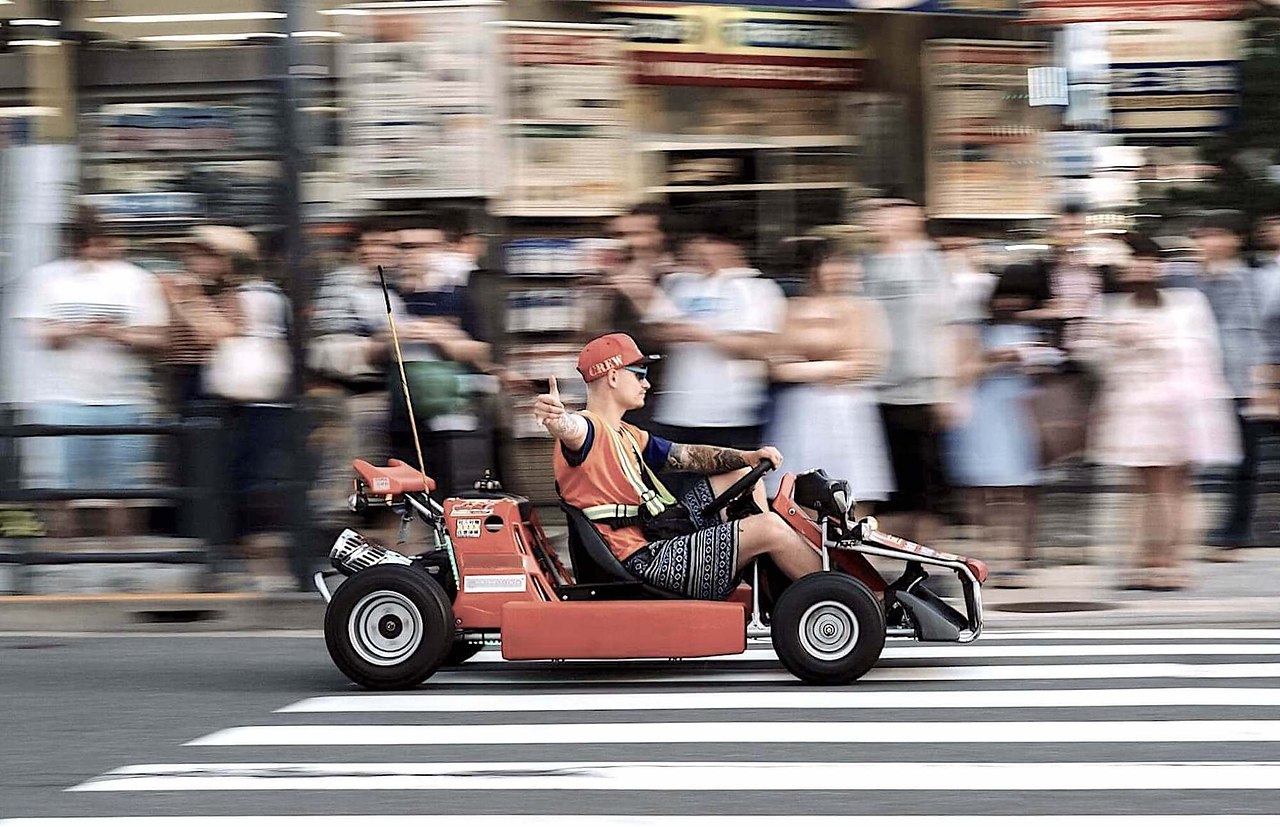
204,505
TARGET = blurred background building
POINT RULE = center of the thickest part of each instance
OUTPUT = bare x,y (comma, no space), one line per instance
519,131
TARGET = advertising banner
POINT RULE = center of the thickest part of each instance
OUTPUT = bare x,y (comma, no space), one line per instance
1173,79
688,45
985,155
567,145
1062,12
420,87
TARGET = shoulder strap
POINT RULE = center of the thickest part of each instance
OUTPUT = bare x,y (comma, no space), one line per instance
654,496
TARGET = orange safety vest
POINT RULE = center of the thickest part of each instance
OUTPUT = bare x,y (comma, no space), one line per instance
613,474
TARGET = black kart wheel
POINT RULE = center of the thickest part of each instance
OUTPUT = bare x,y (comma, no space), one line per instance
828,629
462,651
389,627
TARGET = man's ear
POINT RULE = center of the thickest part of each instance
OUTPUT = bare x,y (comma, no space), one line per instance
612,379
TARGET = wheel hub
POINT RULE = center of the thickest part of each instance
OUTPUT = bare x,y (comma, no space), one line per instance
385,628
828,630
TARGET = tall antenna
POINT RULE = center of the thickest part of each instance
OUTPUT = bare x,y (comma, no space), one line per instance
404,380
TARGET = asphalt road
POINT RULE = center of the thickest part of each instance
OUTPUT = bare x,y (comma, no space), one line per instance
1086,724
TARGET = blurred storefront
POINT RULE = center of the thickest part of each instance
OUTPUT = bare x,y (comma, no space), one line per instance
541,119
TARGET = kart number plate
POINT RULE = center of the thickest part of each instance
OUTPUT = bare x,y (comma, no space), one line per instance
468,528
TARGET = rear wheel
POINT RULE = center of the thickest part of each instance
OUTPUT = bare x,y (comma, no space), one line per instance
389,627
828,628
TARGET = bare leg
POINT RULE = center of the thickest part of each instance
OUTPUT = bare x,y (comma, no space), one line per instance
768,534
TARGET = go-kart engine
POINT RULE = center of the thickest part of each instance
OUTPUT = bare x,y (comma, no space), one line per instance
352,553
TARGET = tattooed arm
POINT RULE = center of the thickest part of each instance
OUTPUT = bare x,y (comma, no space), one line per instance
710,460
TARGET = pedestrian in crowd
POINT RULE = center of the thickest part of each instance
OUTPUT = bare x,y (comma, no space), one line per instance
98,324
348,357
250,374
832,346
718,323
907,276
1164,406
443,349
971,280
200,311
1235,292
994,450
621,298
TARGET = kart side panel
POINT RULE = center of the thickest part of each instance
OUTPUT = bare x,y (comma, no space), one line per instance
618,629
495,561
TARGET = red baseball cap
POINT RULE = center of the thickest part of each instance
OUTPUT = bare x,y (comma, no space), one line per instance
611,351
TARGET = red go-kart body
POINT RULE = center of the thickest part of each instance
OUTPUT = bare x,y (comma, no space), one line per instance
492,576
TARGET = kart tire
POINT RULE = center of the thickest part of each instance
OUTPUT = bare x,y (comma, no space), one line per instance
389,627
462,651
828,629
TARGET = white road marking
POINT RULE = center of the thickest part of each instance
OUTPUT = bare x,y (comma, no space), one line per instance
648,821
519,674
693,776
1130,634
979,652
751,732
837,699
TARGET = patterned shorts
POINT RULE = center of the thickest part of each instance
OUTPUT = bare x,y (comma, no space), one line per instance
701,565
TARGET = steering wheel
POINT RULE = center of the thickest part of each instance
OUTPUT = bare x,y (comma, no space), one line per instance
739,488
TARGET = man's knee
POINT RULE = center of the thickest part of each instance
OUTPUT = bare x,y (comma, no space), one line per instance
765,532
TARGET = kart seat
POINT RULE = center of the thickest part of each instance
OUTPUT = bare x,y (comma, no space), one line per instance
395,479
593,562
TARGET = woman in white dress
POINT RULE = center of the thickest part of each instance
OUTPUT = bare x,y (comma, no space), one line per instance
1164,407
831,346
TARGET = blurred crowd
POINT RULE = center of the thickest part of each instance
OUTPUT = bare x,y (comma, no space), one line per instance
945,382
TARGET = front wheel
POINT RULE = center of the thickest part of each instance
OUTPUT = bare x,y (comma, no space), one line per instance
389,627
828,629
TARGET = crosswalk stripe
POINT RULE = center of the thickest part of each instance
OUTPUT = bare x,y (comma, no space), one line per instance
1161,633
646,821
978,652
839,699
694,776
751,732
520,674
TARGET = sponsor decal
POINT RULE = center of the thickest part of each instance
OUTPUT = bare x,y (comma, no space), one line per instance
472,508
493,583
381,484
469,527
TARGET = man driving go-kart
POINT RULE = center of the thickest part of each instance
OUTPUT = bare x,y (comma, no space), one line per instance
609,470
655,561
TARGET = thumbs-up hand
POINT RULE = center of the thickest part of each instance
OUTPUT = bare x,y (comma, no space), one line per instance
547,406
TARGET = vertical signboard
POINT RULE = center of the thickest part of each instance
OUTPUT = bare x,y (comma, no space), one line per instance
421,87
1176,79
984,153
567,147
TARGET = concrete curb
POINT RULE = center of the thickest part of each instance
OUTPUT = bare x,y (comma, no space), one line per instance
180,613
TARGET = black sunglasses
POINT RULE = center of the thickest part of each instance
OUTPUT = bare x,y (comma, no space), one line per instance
641,371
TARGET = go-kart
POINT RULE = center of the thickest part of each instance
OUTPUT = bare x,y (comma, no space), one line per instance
490,576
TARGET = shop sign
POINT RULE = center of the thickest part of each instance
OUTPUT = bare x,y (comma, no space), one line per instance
1001,8
1173,79
689,45
1062,12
